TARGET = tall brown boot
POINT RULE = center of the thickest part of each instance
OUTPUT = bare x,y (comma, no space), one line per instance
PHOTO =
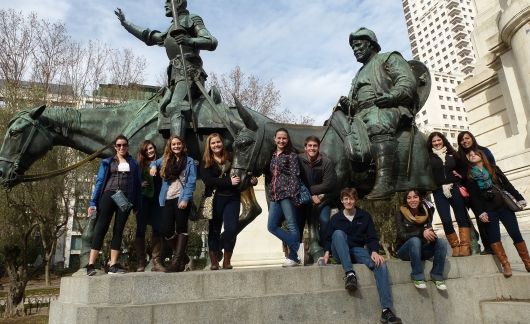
173,265
465,240
214,261
498,250
523,253
182,257
226,260
139,245
454,243
156,259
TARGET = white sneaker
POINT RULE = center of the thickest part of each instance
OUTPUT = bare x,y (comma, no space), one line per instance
289,263
440,284
420,284
301,254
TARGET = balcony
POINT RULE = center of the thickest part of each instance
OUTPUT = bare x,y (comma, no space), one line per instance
456,20
458,27
452,4
454,12
460,35
468,69
462,43
466,60
464,52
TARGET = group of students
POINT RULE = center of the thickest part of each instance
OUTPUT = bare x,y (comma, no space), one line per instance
160,192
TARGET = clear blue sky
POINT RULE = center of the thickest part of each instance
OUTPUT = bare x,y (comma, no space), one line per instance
300,45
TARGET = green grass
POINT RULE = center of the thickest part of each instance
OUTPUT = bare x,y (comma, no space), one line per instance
32,319
36,291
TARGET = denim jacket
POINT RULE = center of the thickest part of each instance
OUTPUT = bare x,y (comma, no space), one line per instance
133,188
190,177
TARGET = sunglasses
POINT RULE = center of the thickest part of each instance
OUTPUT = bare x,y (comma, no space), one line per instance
121,145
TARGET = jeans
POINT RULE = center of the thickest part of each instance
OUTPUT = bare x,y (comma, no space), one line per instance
106,209
414,250
150,213
508,219
278,210
444,204
343,253
310,213
225,211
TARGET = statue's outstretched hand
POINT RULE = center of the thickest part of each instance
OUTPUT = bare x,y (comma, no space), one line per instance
120,15
385,101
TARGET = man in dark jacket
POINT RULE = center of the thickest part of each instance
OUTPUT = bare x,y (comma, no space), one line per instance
318,174
351,233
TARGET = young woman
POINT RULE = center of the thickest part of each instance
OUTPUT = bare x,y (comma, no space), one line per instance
179,173
215,172
283,182
151,211
446,166
117,173
416,240
466,143
487,203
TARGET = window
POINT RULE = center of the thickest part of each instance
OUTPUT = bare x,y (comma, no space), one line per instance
450,107
460,118
443,106
444,116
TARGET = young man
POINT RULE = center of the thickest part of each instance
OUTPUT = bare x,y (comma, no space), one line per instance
318,174
349,231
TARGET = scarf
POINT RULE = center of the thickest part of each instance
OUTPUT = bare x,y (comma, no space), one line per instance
416,219
440,153
481,177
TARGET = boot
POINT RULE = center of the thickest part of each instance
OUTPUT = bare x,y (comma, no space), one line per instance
178,122
139,245
158,265
454,243
173,264
213,260
465,236
498,250
226,260
383,155
523,253
182,257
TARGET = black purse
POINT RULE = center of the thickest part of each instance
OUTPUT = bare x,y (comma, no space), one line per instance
121,201
508,199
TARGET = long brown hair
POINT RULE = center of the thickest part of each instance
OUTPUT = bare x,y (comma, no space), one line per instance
485,163
173,165
208,156
143,160
450,148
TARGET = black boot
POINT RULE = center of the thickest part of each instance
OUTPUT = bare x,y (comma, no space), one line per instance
139,245
383,154
173,265
182,257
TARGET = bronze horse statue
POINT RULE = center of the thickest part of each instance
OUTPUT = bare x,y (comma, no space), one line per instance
31,133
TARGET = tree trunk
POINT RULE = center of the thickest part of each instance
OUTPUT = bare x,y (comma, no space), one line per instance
17,283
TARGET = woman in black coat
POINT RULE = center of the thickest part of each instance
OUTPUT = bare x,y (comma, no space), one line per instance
484,181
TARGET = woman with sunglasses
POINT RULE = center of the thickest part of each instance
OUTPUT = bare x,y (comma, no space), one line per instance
119,173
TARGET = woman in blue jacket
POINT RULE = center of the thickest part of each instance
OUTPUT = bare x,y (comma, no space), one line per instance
179,173
117,173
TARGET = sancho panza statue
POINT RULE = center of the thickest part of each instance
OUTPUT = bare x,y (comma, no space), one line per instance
383,95
183,40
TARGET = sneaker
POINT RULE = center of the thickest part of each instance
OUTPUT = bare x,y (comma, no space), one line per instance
350,281
440,284
420,284
90,270
289,263
387,316
116,269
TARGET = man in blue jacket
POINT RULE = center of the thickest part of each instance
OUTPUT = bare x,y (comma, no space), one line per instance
351,233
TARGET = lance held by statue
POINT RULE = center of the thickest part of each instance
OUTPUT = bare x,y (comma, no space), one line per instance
183,41
383,98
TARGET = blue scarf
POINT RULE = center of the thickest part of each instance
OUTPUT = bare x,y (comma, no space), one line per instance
481,177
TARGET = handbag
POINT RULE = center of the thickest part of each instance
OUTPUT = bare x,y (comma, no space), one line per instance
304,195
121,201
463,192
508,199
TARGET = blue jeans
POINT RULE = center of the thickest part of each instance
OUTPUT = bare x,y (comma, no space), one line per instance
310,214
508,219
343,253
225,211
414,250
277,211
444,205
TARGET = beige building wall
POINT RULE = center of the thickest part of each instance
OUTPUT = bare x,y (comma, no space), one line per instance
497,96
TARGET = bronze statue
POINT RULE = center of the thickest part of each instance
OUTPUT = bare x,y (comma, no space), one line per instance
383,95
183,40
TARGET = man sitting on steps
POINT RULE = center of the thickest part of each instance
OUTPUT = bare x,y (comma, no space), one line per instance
349,231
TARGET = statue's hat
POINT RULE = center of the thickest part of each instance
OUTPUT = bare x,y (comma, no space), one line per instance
366,34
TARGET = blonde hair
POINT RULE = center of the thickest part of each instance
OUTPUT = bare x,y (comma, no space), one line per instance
169,159
208,156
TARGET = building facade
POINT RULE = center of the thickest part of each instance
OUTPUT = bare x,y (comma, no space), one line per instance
439,34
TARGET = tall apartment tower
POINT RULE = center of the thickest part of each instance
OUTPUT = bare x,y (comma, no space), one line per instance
440,36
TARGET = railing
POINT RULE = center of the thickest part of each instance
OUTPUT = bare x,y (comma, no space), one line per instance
32,304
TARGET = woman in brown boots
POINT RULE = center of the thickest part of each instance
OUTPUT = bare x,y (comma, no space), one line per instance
215,172
445,165
179,174
487,202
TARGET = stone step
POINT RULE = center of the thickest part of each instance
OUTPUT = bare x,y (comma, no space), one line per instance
273,295
505,312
